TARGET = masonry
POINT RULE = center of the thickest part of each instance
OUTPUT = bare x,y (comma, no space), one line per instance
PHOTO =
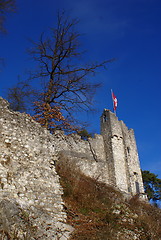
121,155
27,175
28,153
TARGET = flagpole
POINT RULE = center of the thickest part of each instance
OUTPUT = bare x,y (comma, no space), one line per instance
112,98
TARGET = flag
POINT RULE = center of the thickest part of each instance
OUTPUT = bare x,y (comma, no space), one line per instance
114,101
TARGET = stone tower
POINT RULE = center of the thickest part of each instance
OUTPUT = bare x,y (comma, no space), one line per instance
121,154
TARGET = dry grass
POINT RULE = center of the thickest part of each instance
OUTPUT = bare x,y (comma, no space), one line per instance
88,204
98,212
149,219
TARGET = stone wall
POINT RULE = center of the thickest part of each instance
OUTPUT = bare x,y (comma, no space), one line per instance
27,173
85,156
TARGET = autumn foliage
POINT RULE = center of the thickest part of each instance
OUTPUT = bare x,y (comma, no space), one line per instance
51,117
48,116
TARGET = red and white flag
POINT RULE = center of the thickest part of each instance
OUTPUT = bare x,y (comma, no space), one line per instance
114,101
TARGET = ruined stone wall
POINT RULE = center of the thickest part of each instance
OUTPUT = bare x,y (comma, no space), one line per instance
85,156
27,174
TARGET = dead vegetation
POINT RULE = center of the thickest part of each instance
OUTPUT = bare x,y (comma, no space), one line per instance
98,212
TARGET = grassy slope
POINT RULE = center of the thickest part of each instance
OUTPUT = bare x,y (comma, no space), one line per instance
98,212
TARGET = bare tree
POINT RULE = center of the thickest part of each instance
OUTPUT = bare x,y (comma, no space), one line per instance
20,96
5,6
67,86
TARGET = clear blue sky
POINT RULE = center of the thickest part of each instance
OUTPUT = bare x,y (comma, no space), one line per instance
128,30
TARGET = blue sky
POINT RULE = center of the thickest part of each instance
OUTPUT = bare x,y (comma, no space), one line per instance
128,30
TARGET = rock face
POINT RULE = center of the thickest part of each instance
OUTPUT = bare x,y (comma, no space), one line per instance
28,153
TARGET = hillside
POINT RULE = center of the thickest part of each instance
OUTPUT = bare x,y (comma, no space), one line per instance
99,212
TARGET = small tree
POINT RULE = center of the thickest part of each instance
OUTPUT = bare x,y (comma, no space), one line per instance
84,134
152,185
66,87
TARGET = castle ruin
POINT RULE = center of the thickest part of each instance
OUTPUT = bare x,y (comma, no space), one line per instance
28,154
